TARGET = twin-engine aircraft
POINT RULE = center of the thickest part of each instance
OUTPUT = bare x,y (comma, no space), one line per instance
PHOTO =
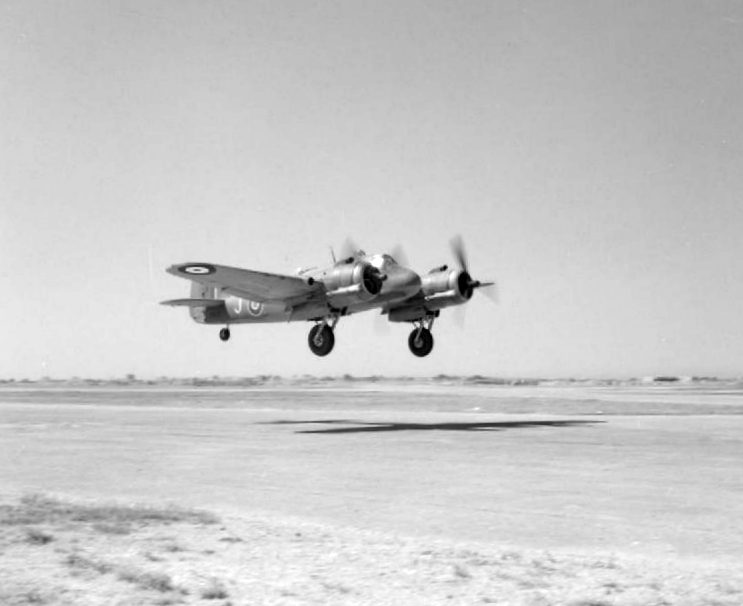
358,282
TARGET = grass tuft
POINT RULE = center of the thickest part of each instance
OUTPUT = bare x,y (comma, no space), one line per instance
38,537
79,562
108,528
461,572
231,540
113,519
147,580
215,591
21,599
336,587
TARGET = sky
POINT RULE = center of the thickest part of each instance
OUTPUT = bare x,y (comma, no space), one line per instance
589,153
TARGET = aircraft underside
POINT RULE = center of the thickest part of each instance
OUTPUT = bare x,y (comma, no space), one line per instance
321,338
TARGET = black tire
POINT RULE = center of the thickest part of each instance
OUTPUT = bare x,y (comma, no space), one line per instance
224,334
421,345
321,339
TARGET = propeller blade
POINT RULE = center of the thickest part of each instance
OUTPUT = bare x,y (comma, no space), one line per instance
459,314
459,252
349,248
490,290
398,254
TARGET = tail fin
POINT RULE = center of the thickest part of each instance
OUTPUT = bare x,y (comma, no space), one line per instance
201,291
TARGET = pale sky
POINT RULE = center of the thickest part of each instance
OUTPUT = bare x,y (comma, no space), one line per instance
590,154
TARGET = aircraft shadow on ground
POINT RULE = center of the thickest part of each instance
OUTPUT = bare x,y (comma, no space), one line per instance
368,427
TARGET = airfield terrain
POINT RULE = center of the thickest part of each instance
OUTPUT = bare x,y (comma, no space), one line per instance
426,493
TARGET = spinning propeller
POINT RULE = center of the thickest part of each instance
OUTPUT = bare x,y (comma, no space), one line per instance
398,254
467,285
349,248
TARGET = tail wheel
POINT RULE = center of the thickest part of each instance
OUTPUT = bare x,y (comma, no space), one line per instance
224,334
321,339
420,342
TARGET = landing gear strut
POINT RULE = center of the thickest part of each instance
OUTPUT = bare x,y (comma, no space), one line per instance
321,338
224,334
420,340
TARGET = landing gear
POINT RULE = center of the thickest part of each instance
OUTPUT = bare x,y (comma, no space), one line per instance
224,334
321,339
420,340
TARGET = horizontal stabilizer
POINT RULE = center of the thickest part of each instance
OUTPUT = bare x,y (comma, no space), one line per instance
193,302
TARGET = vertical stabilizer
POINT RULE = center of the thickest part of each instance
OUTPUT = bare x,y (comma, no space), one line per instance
201,291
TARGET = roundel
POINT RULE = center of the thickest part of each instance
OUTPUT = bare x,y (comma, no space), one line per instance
255,308
197,269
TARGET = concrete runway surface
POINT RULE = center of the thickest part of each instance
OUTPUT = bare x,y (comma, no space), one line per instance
645,471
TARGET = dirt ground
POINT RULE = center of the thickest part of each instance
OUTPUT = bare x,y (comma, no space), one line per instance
428,495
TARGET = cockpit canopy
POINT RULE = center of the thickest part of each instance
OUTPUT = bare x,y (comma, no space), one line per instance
382,262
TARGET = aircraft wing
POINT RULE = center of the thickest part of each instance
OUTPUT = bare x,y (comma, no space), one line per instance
193,302
254,285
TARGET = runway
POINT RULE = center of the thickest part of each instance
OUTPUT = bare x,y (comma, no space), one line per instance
647,472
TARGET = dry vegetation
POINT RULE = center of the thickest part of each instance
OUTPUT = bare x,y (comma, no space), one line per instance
91,554
53,552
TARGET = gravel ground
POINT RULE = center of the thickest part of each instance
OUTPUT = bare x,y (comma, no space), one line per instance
443,495
268,560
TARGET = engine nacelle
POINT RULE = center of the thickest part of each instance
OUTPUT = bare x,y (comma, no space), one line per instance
454,285
352,282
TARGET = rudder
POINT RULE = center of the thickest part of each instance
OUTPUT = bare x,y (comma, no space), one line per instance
202,291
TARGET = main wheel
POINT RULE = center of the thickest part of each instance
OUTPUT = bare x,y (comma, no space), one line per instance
321,339
420,344
224,334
